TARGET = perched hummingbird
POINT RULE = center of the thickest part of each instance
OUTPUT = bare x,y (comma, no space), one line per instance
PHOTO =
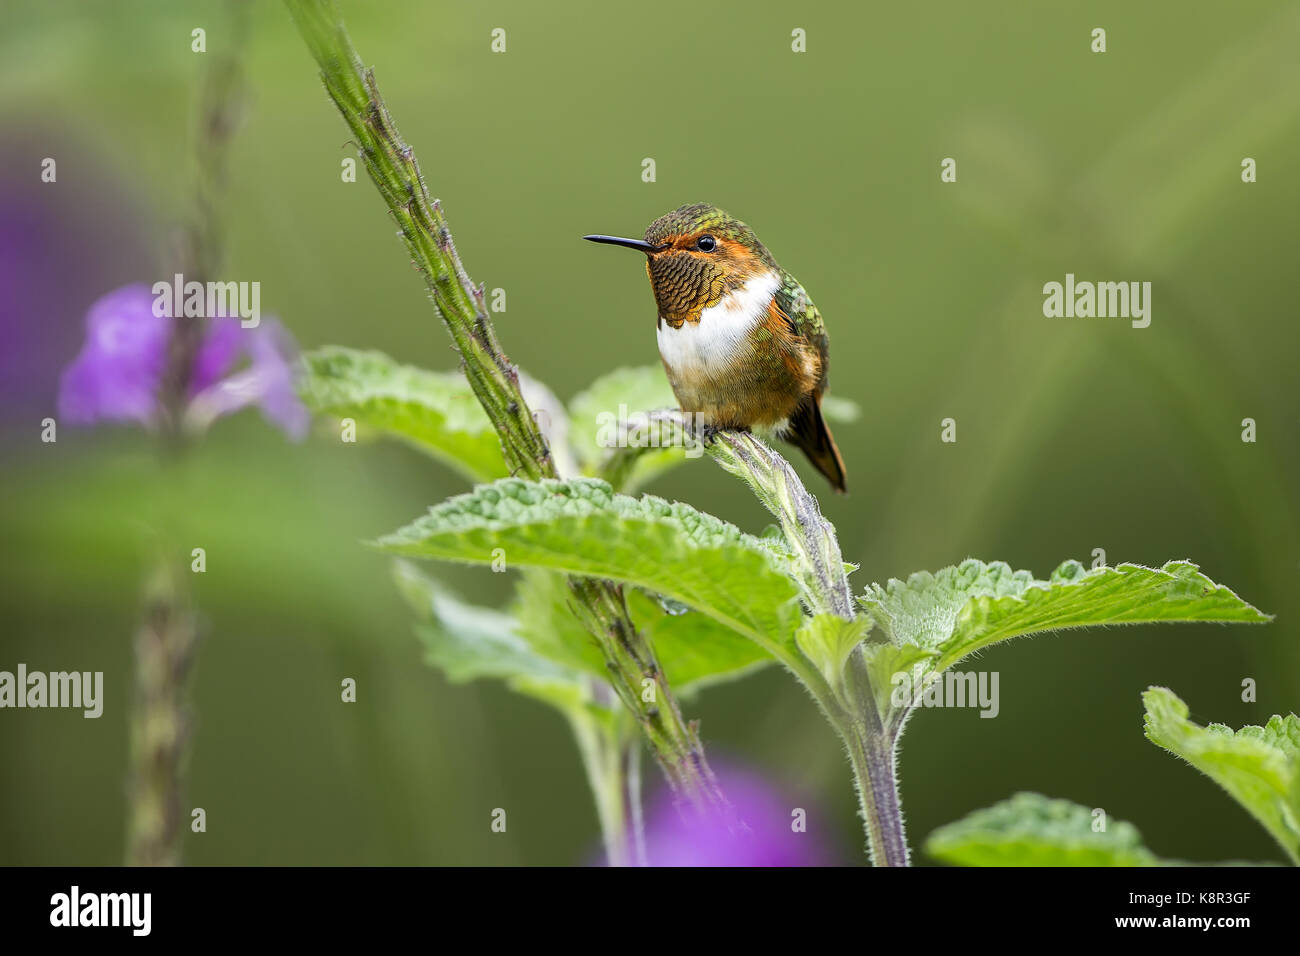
742,342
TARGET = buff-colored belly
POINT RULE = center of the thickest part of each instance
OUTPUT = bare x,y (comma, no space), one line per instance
727,367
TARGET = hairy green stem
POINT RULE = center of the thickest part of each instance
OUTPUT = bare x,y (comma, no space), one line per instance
874,773
641,685
851,706
777,485
392,165
872,749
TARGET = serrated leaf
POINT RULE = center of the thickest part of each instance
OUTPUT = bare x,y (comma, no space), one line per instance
827,640
1032,830
435,412
962,609
1259,767
582,527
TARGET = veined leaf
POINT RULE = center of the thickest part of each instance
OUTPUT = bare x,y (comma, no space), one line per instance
1258,766
1033,830
582,527
435,412
962,609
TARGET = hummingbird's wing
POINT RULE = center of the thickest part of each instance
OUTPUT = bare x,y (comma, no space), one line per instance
805,321
807,429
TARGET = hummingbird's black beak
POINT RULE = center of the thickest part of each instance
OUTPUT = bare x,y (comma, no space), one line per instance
637,244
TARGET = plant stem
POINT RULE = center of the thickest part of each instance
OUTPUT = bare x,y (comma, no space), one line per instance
394,169
640,684
601,749
777,485
872,752
850,705
166,640
160,720
873,760
201,246
636,815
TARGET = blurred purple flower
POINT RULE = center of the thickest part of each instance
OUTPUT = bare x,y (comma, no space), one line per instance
671,840
118,371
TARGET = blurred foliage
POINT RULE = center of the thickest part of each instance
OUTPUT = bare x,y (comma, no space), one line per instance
1258,766
1072,434
1032,830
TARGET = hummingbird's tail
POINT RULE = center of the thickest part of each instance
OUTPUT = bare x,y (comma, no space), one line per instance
807,430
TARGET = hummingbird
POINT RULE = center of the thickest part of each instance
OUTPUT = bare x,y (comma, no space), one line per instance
742,343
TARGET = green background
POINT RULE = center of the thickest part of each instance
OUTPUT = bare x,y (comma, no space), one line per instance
1073,434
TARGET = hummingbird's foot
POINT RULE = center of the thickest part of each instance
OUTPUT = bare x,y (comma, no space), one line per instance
709,432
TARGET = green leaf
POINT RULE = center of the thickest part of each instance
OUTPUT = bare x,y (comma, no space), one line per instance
582,527
886,665
614,438
640,389
467,642
1259,767
695,650
545,618
827,640
1033,830
435,412
962,609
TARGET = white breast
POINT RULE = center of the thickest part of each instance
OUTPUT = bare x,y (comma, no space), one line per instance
721,337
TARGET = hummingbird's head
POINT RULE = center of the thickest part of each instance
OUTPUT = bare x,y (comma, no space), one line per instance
696,256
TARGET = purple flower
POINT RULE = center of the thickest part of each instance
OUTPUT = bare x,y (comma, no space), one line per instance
782,831
117,374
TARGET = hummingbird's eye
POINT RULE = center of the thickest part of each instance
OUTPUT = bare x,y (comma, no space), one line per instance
706,243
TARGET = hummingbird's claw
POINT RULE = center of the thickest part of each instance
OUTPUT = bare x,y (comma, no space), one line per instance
709,432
